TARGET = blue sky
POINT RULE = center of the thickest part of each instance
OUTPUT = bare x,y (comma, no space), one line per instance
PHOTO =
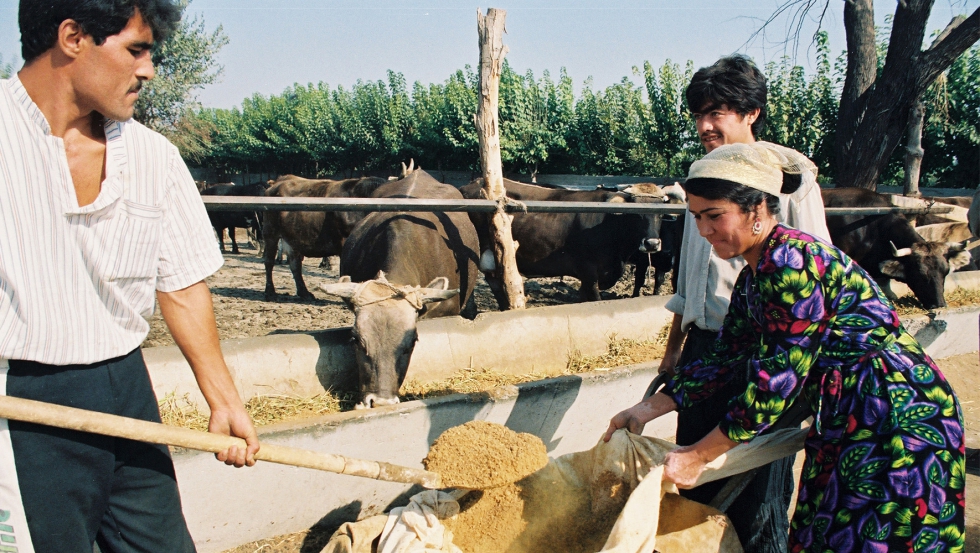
274,44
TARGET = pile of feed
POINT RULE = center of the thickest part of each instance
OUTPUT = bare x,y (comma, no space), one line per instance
480,455
511,509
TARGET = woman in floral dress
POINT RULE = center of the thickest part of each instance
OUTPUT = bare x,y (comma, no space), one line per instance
884,468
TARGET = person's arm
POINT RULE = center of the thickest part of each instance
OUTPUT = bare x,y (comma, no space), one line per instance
672,351
189,315
637,416
684,465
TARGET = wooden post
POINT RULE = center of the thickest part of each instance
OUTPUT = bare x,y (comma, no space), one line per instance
913,151
492,51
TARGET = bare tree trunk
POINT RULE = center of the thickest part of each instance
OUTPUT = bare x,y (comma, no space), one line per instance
492,51
914,152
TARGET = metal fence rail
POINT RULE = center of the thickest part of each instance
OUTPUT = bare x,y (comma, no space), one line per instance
245,203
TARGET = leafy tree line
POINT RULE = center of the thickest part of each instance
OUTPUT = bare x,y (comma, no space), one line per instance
638,126
6,70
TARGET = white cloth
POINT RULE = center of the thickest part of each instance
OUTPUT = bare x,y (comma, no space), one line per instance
77,284
13,522
417,527
702,296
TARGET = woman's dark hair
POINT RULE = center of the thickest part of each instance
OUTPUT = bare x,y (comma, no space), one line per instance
745,197
39,21
733,81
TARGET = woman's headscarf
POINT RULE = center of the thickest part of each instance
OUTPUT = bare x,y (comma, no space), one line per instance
758,165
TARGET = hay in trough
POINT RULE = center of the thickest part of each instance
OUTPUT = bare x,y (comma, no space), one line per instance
275,408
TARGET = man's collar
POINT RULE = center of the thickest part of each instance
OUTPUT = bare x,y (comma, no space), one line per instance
33,112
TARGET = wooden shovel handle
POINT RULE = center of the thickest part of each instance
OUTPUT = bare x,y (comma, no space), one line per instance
70,418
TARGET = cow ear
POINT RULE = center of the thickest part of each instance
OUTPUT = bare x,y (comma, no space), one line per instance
344,289
677,192
961,259
439,283
345,278
893,269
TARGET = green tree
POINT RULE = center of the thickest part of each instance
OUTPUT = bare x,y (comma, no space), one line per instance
6,69
952,132
669,131
184,63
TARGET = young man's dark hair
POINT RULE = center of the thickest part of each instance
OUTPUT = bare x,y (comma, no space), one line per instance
733,81
39,21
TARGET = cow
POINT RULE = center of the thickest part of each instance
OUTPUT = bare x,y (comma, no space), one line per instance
887,246
671,233
310,233
231,220
591,247
396,268
944,232
960,205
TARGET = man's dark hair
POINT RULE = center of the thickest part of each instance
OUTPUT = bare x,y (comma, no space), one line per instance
733,81
39,21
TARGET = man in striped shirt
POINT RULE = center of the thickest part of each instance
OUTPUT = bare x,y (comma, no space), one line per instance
98,217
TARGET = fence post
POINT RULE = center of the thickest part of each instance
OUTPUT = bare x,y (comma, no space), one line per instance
492,51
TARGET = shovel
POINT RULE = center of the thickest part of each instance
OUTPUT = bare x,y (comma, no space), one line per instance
70,418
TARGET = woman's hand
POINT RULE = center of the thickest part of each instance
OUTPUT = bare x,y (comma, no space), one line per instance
637,416
683,466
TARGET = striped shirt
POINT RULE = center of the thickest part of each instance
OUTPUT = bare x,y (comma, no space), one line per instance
77,284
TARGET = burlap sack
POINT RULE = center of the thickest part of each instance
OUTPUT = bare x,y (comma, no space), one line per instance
611,498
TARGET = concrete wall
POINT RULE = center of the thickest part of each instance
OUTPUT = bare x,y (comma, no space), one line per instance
515,342
539,339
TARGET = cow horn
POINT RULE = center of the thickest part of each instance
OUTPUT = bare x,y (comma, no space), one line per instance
430,295
900,252
437,290
968,245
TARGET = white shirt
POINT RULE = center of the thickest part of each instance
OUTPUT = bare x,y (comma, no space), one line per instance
77,284
705,281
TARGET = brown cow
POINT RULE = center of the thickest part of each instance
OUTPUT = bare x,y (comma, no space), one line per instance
887,246
310,233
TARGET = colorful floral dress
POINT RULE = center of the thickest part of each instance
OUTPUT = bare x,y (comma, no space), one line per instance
884,468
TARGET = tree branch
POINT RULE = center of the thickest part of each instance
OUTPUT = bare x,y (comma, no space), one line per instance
960,34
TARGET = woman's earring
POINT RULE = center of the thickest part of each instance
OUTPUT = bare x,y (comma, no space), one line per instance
757,226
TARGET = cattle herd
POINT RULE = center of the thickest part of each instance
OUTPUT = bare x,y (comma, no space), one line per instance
397,267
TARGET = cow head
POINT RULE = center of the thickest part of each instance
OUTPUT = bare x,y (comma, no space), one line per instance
651,193
924,266
385,330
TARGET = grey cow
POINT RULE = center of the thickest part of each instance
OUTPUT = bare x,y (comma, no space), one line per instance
399,267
